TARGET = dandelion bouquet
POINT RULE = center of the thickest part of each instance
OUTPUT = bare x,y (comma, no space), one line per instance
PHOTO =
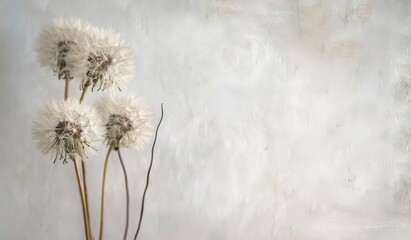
71,130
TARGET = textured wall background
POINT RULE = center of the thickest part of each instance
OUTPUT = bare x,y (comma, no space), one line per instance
285,120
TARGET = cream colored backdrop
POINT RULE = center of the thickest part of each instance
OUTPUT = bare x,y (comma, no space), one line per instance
284,119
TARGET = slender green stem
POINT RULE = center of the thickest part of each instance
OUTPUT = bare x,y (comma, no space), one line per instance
83,203
148,175
103,191
127,194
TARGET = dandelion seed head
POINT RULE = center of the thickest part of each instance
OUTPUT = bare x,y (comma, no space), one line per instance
127,120
68,129
104,59
56,40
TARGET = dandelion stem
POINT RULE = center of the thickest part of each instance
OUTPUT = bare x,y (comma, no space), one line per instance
148,175
87,232
85,87
83,165
127,193
66,89
83,168
83,192
103,190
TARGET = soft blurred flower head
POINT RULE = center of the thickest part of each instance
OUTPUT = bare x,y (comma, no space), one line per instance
68,129
127,120
56,40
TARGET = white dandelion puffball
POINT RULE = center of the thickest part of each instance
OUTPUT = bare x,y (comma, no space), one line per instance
127,120
56,41
103,61
68,129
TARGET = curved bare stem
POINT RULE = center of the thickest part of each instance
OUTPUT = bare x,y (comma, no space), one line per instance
148,175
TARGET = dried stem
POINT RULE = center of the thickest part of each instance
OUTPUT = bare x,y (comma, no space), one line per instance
83,168
67,86
83,192
127,193
103,190
148,175
85,87
83,202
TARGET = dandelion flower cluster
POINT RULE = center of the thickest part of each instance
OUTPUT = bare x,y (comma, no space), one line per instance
127,120
68,129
